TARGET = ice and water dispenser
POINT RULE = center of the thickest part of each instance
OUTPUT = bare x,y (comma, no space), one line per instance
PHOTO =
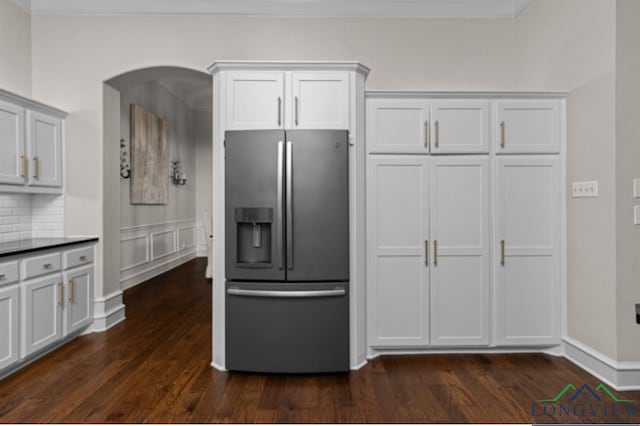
253,232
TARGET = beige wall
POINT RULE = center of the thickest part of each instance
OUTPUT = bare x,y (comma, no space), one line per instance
627,168
15,49
558,45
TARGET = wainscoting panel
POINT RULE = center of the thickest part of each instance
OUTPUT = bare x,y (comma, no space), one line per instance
150,250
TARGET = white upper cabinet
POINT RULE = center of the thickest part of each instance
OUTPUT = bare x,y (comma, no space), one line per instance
255,100
527,250
397,126
459,231
320,101
30,144
527,127
460,126
45,148
398,233
12,144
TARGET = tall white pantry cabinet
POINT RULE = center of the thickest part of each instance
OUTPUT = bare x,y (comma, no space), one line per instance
464,208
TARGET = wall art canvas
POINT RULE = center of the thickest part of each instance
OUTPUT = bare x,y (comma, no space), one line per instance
149,158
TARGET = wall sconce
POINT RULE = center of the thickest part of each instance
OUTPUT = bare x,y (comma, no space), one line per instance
125,166
177,175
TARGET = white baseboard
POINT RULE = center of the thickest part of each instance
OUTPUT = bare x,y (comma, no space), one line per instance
376,352
159,268
217,366
107,312
620,375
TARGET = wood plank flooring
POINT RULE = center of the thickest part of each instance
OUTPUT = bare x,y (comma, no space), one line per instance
155,367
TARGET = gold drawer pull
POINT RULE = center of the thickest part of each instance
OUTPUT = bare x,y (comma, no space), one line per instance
83,257
47,266
2,276
437,125
502,252
426,253
502,136
435,252
36,173
72,291
24,166
60,294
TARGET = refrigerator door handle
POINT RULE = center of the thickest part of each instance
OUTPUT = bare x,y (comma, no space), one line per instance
279,215
289,205
287,294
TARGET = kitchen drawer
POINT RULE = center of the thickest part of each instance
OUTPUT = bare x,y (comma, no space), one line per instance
77,257
41,265
8,272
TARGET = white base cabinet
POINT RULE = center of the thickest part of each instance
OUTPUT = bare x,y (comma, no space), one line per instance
9,326
46,297
464,240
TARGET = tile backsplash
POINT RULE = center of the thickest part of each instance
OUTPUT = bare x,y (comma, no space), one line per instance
25,216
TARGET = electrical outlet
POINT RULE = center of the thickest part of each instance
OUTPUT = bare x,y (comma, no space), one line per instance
584,189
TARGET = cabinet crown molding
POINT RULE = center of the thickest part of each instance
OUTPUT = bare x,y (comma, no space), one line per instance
409,94
32,104
290,66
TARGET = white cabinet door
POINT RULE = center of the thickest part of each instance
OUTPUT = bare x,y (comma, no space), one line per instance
459,206
527,251
398,126
12,148
398,230
527,127
42,302
9,326
79,295
45,150
320,101
460,126
255,100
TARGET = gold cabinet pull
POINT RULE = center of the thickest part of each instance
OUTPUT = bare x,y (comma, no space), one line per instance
435,252
24,166
279,111
2,276
502,137
60,294
47,266
426,253
437,128
296,109
36,168
72,290
426,134
83,258
502,252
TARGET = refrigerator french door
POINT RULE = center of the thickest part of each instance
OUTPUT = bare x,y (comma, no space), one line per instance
287,250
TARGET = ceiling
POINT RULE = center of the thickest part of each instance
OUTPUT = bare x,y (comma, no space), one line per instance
323,8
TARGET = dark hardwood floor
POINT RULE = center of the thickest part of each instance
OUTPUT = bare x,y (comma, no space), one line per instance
154,367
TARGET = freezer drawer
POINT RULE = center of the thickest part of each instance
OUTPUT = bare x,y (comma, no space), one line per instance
287,328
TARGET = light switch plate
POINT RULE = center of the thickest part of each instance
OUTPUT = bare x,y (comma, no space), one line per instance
636,215
636,188
584,189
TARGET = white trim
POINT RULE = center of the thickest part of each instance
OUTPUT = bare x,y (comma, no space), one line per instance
376,352
383,94
622,376
169,253
288,66
107,312
32,104
315,8
126,229
193,238
148,273
147,258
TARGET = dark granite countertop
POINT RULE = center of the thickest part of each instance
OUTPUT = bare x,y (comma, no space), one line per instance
12,248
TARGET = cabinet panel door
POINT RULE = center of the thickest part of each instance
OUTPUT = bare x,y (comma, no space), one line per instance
527,127
79,295
398,126
45,150
527,268
41,313
460,126
255,100
398,230
9,326
11,144
459,205
320,101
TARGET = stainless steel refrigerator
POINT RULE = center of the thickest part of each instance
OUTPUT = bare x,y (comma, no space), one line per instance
287,251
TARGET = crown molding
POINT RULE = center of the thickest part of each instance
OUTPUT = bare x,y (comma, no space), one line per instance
308,8
290,66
